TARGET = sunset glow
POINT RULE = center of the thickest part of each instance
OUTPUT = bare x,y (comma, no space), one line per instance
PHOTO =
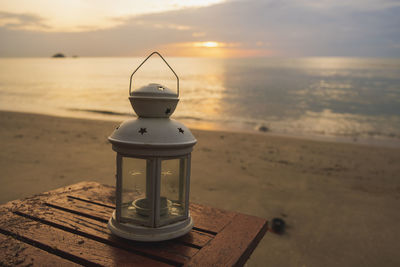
207,44
213,49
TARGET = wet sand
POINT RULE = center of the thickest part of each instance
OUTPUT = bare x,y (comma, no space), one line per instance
340,201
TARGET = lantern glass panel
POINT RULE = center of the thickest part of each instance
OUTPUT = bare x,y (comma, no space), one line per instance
173,190
136,200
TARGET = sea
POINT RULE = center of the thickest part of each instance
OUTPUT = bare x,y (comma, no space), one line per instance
334,99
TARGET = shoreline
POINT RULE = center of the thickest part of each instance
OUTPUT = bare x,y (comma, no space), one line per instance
215,127
340,201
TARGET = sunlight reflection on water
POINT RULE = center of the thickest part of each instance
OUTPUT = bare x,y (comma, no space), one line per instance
336,97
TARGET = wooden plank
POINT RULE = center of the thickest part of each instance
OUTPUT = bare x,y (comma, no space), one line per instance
167,251
234,244
210,219
87,209
104,194
91,190
73,247
195,239
101,212
106,205
14,252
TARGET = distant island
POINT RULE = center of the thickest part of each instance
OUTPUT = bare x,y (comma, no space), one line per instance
58,55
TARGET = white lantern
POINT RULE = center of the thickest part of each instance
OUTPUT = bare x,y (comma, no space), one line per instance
153,167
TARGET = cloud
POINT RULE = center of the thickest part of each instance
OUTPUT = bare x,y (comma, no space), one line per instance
295,28
353,5
22,21
286,28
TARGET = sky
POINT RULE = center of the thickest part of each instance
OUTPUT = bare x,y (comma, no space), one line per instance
195,28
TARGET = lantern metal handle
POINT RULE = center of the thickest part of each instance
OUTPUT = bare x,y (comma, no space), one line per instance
177,78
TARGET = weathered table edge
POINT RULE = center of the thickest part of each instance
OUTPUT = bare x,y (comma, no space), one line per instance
219,237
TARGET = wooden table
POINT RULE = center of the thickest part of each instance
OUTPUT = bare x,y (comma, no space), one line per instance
68,226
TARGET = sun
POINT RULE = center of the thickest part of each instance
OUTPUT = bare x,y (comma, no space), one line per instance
210,44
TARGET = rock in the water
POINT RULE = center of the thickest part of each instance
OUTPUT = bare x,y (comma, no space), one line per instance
59,55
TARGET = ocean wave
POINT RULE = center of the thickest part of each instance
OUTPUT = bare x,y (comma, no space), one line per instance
104,112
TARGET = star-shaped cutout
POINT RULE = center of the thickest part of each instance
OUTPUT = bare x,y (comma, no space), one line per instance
181,130
142,131
168,111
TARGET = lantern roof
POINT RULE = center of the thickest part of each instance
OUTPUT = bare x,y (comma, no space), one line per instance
151,133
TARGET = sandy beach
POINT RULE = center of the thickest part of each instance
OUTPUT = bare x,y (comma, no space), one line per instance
340,201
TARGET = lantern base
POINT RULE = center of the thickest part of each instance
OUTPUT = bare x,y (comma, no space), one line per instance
148,234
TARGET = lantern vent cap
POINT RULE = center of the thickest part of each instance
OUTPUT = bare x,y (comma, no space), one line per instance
154,90
154,100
